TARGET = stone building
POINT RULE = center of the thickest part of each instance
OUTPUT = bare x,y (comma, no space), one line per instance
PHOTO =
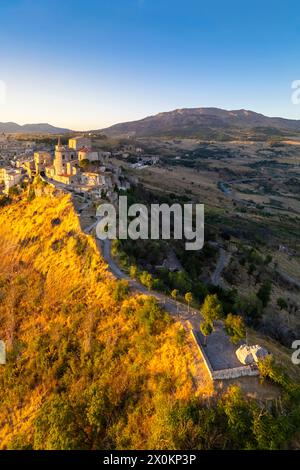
66,169
85,153
96,179
77,143
63,155
41,161
10,177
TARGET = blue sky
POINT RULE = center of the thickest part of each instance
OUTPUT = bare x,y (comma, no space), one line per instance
89,64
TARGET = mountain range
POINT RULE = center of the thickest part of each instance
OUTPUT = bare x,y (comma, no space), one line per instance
191,122
42,128
186,122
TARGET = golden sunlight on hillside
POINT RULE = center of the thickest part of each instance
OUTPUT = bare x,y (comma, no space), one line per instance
88,365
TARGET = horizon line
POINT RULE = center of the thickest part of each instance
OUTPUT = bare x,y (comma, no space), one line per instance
145,117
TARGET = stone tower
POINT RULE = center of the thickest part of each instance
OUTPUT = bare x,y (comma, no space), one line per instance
58,158
63,155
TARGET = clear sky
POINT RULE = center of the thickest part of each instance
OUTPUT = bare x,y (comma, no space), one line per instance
87,64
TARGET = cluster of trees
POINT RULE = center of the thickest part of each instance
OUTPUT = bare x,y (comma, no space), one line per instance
148,255
211,311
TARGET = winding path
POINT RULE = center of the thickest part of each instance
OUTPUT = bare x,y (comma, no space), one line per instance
184,313
223,261
219,349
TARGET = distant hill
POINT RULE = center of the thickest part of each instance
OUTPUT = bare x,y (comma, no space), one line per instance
43,128
197,122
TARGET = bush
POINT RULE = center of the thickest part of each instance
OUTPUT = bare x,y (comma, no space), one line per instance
269,369
264,293
235,327
121,290
282,304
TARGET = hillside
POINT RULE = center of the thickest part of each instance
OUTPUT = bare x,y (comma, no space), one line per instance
86,368
202,122
43,128
91,366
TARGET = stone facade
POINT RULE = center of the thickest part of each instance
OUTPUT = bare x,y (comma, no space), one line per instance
77,143
10,177
41,161
63,155
86,154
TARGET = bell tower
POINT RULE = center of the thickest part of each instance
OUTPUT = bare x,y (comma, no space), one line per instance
59,158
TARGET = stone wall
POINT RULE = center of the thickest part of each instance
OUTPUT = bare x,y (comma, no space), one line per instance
235,372
205,358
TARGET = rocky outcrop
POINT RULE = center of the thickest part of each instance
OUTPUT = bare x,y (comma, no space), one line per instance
250,354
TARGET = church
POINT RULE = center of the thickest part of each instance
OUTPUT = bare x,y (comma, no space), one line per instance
65,167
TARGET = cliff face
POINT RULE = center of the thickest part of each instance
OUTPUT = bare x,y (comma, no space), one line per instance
88,365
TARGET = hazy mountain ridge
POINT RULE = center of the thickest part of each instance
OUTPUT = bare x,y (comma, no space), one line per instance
12,127
191,121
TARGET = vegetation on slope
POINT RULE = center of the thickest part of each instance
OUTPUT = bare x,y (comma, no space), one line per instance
87,366
90,366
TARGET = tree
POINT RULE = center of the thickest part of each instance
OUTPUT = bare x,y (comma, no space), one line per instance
235,327
14,191
238,415
152,316
133,271
181,281
188,298
147,280
174,295
251,308
121,290
206,329
84,163
212,308
268,259
268,368
56,426
270,431
20,442
264,293
282,304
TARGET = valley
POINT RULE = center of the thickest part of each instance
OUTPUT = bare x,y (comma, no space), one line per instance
252,209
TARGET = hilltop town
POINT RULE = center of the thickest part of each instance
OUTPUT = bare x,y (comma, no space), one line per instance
75,166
